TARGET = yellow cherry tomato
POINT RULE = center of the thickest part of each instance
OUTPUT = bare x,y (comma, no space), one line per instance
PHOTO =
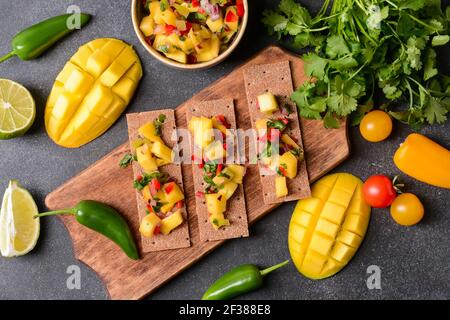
407,210
376,126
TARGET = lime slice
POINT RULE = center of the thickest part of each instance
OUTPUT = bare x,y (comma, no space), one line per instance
17,109
19,231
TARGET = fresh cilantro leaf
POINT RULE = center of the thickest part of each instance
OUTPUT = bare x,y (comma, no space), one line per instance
440,40
274,22
435,112
411,4
314,65
336,47
414,47
430,65
330,122
344,63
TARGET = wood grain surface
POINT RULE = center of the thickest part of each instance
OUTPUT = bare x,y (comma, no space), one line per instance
127,279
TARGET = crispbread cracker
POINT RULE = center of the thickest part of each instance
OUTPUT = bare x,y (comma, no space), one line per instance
236,211
276,78
178,238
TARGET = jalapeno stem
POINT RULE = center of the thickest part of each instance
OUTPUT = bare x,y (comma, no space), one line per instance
6,57
54,213
275,267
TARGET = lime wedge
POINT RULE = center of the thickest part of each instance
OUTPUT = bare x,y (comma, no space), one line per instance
19,231
17,109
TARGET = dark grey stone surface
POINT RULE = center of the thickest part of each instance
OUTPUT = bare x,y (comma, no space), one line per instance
415,262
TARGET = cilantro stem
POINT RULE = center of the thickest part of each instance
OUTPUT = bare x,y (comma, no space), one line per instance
392,4
421,22
363,31
411,98
420,86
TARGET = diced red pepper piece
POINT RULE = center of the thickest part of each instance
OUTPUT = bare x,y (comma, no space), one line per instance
231,17
170,187
188,28
170,29
283,171
180,204
139,178
149,208
195,3
240,8
201,10
284,120
274,134
157,230
201,165
156,184
199,194
225,146
219,168
221,118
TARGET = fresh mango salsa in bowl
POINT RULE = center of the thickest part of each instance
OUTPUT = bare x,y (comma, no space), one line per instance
190,34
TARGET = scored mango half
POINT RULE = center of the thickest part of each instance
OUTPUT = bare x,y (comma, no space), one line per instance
326,230
92,91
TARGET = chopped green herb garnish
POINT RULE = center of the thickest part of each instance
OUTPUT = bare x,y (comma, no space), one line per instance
127,160
158,123
164,5
164,48
276,124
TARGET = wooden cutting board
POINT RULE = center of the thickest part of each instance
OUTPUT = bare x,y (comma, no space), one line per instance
127,279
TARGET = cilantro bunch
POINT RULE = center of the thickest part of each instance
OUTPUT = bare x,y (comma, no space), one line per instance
366,47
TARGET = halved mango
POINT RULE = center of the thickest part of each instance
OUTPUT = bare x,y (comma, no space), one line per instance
91,91
326,230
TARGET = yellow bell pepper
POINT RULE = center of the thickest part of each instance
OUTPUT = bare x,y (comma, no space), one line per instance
91,92
424,160
326,230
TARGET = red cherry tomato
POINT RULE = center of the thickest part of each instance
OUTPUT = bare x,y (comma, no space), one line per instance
379,192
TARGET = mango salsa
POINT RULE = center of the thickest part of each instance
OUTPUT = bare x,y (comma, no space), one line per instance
326,230
191,32
91,92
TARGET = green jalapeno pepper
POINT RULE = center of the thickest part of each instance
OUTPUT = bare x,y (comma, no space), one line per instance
35,40
103,219
240,280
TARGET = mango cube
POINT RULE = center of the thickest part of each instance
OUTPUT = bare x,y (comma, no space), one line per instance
215,26
216,203
145,159
267,103
223,177
238,173
162,151
149,224
148,131
218,221
171,222
215,151
281,189
289,162
175,194
147,26
209,52
228,189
